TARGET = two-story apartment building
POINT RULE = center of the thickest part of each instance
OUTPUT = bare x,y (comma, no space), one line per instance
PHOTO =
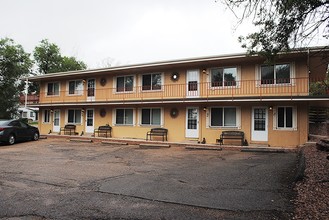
193,98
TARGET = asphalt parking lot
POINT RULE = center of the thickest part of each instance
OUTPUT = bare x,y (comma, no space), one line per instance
58,179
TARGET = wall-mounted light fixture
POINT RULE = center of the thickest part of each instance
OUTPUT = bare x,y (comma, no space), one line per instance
270,108
204,108
204,71
174,76
83,81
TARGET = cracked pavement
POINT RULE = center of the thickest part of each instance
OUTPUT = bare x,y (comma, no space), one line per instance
57,179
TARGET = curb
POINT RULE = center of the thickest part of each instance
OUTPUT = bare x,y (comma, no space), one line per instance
154,146
81,140
265,150
203,148
114,143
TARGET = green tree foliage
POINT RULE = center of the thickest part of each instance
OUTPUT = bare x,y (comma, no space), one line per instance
14,64
282,24
49,59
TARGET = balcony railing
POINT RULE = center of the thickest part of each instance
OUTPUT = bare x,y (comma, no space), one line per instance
241,89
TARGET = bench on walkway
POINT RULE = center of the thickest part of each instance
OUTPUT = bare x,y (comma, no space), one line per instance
104,130
234,135
162,132
68,129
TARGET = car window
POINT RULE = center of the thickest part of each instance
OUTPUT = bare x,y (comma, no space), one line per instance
15,123
23,125
3,123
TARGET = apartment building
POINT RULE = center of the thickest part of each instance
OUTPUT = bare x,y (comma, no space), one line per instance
194,99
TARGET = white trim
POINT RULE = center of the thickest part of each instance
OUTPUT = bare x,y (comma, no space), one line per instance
115,84
151,90
139,123
59,89
237,117
237,80
294,118
67,116
79,92
114,110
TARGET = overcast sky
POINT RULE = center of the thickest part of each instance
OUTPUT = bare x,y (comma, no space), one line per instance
123,31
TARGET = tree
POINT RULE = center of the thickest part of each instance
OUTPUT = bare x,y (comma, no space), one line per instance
48,59
15,63
282,23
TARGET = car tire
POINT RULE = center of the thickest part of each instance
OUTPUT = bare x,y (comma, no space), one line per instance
11,139
35,136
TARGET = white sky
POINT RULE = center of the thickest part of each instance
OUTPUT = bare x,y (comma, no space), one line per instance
123,31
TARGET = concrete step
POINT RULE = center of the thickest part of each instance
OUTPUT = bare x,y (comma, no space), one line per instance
114,143
154,146
82,140
202,148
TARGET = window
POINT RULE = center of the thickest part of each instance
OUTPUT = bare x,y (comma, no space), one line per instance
75,87
24,115
74,116
223,77
46,116
31,114
125,83
151,81
151,116
275,74
53,88
285,117
124,117
223,117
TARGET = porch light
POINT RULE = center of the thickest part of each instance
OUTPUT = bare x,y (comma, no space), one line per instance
271,108
204,108
174,76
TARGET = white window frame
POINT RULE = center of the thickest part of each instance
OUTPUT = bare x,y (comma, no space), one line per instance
151,125
115,84
237,81
44,112
59,88
237,117
259,75
77,92
74,109
114,121
276,118
152,90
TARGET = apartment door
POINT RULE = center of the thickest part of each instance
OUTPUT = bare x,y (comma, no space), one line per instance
91,90
56,120
89,120
259,124
192,122
192,83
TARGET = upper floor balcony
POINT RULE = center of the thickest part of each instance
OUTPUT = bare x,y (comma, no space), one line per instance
192,91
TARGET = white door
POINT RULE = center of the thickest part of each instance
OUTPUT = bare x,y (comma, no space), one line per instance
192,122
56,121
259,124
89,120
91,90
192,83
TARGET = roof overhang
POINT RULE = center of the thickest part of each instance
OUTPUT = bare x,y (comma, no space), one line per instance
192,62
308,99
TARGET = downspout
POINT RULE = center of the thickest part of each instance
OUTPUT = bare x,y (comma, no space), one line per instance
26,91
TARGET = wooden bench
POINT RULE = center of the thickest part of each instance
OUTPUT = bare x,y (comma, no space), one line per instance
104,130
162,132
234,135
68,129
